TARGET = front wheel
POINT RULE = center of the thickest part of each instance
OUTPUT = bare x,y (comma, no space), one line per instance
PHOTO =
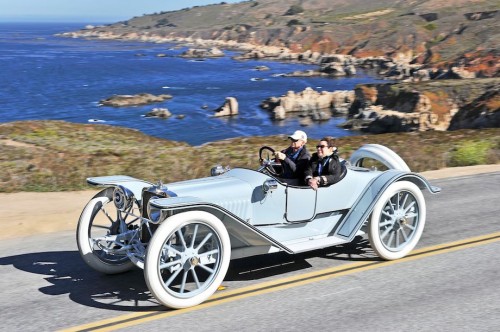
187,259
397,220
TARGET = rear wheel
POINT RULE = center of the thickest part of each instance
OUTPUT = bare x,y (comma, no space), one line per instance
397,220
187,259
98,225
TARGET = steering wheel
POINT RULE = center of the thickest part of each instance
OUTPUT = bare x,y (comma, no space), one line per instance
268,162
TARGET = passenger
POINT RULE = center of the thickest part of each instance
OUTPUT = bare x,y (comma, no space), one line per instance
324,167
294,159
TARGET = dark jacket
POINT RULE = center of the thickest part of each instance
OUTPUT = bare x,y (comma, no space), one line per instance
330,173
294,166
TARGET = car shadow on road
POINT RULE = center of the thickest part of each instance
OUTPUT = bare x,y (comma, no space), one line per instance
264,266
66,273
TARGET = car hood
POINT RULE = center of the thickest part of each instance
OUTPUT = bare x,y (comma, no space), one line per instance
227,191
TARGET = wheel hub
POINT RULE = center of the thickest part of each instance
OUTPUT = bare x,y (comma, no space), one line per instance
195,261
190,259
399,220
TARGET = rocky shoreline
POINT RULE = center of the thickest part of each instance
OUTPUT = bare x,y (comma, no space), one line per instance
329,65
425,96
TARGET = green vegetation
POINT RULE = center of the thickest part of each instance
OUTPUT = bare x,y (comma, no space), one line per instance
162,22
59,156
294,22
430,26
470,153
294,10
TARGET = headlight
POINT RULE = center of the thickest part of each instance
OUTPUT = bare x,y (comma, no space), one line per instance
155,214
123,198
218,170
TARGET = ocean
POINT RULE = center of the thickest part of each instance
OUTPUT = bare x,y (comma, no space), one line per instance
51,78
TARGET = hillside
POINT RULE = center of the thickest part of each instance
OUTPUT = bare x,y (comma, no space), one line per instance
59,156
435,33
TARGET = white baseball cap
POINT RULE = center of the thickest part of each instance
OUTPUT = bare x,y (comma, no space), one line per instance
299,134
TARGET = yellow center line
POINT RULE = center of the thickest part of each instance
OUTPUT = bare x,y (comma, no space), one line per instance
128,320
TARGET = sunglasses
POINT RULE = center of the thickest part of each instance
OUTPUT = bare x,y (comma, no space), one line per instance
294,140
321,146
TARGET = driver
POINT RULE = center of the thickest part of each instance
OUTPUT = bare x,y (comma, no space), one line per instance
294,159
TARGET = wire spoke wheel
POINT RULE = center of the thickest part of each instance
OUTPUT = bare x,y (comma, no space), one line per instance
98,234
190,260
397,220
187,259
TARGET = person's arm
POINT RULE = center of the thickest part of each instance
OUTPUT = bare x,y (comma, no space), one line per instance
292,165
333,174
301,163
309,177
289,162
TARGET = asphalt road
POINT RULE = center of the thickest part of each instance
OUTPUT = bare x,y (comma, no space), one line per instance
450,283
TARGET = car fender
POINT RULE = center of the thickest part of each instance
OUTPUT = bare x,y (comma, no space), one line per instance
246,239
365,203
380,153
131,184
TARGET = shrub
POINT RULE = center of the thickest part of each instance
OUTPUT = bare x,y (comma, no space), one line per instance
163,21
293,22
470,153
294,10
430,26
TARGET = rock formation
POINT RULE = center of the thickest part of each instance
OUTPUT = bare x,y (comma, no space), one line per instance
133,100
213,52
158,113
229,108
482,112
316,105
436,105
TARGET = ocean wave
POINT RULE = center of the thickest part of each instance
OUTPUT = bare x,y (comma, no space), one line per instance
174,87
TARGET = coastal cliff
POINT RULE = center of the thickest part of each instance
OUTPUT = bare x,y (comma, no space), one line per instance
434,33
433,105
407,41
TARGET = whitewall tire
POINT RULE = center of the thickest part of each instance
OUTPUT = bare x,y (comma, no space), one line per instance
96,222
397,220
187,259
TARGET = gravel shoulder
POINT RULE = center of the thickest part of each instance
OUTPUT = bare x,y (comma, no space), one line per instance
30,213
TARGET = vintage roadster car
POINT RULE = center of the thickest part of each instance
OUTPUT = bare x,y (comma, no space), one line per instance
184,234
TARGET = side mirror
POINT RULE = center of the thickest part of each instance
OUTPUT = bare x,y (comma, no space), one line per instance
269,185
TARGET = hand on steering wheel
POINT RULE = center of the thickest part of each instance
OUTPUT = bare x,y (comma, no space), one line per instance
268,162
